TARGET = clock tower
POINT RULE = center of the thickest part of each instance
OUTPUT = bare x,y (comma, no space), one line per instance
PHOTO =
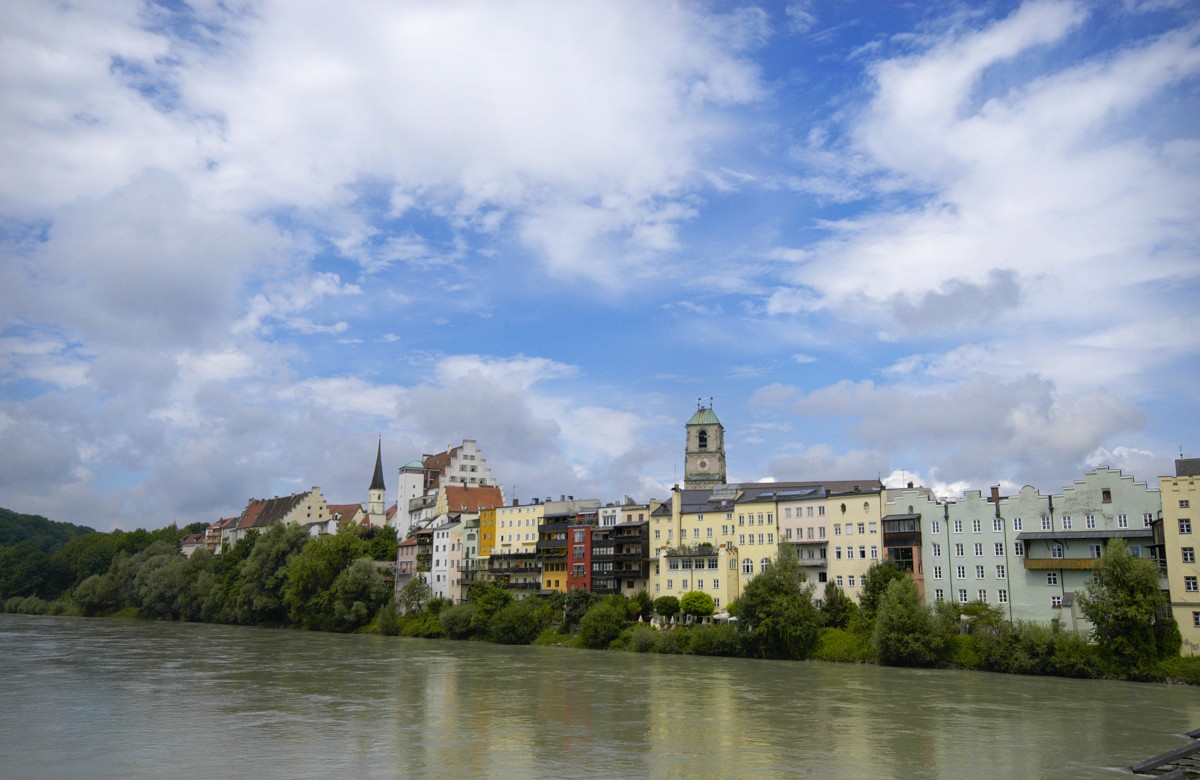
704,456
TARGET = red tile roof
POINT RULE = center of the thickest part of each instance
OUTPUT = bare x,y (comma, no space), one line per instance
471,499
263,512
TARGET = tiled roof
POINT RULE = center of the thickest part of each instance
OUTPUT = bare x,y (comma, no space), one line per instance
347,511
704,416
461,498
263,512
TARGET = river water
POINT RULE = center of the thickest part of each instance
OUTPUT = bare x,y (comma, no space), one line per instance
96,698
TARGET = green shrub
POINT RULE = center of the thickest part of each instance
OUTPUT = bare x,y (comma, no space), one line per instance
516,624
456,621
674,642
641,639
425,626
602,623
961,653
1181,669
843,645
719,639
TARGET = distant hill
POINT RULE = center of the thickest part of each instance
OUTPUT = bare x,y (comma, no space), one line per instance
48,535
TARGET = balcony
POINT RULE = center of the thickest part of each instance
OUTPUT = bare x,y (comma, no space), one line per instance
639,555
813,561
523,585
634,572
1073,564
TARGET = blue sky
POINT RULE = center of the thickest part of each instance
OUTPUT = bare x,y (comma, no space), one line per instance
949,243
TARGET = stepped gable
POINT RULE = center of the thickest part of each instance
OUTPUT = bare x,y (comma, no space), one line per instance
264,512
471,499
436,465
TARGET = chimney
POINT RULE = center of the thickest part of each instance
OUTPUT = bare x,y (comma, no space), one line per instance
995,494
514,502
910,486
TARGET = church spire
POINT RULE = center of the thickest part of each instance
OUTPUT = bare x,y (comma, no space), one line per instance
377,480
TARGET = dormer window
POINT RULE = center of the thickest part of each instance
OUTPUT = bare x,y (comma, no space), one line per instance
702,440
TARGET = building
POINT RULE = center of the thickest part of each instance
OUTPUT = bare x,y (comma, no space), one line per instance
305,509
1177,549
427,486
377,493
704,455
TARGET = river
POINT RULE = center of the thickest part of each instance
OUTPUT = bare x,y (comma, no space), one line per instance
101,698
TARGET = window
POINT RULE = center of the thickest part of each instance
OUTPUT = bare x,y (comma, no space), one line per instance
849,529
1189,554
1000,571
1002,596
958,526
850,580
1185,525
940,595
976,526
1122,521
1090,521
937,572
962,596
741,539
1016,524
999,549
1056,551
1019,549
1196,619
862,528
837,529
762,565
983,595
821,532
837,553
978,548
979,573
960,572
1066,522
770,518
1189,584
874,528
670,584
1056,601
747,566
787,513
1045,523
958,549
849,553
1185,503
708,532
760,538
1051,578
862,553
1094,550
1106,496
998,525
712,563
820,511
936,527
839,580
937,550
1147,519
874,553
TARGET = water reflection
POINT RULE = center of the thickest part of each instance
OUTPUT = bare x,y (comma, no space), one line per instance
105,698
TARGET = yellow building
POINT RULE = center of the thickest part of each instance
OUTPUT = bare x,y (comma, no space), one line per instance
854,512
1180,499
487,531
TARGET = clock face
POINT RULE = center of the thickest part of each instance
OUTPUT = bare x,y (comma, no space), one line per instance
703,464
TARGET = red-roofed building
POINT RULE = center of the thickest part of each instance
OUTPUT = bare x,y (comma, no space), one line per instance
303,509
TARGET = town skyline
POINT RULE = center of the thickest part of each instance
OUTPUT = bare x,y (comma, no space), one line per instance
952,244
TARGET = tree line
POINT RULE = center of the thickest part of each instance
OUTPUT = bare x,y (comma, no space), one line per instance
281,577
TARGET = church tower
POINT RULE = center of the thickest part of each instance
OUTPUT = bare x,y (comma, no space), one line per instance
377,495
704,456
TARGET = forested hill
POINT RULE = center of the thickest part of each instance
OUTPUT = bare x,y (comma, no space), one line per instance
48,535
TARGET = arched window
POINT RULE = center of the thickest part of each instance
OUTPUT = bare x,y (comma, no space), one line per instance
747,566
762,565
702,439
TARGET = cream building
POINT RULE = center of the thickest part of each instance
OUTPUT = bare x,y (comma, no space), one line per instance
1180,499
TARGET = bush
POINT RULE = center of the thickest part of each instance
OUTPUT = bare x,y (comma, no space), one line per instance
602,623
425,625
456,621
641,639
1181,669
719,639
516,624
674,642
843,645
905,634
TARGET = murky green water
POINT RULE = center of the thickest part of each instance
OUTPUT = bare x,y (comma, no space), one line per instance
105,698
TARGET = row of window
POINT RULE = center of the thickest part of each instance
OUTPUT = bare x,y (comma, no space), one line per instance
980,595
862,553
686,563
980,572
1046,521
800,510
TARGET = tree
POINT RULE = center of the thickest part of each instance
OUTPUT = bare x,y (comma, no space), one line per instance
415,595
875,584
603,623
904,633
641,605
516,624
310,574
776,612
666,606
697,604
837,609
487,598
357,594
257,598
1123,604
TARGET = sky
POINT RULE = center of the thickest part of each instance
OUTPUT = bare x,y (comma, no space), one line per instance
243,242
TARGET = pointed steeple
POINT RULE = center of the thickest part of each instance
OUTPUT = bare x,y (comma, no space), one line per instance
377,480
